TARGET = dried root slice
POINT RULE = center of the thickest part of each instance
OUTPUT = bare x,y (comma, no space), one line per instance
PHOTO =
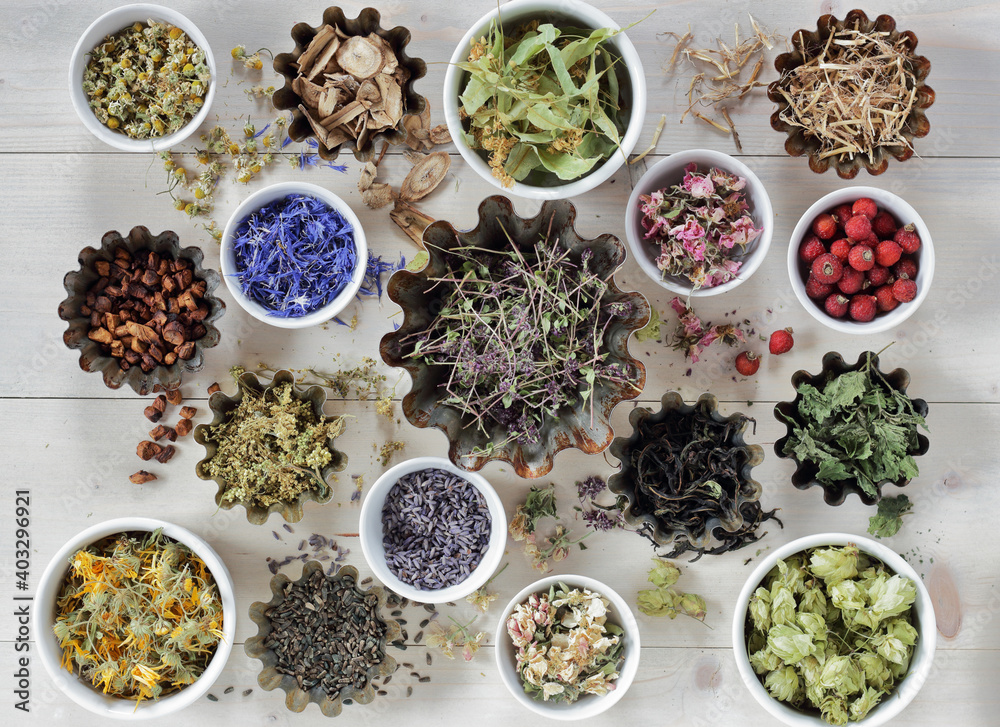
411,221
428,172
361,57
307,61
378,195
417,129
439,135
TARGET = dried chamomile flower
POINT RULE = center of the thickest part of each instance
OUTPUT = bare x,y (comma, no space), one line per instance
147,80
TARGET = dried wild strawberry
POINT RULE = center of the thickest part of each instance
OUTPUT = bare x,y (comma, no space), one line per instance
858,228
884,299
861,258
841,248
851,282
904,290
817,290
887,253
863,308
827,268
747,363
879,275
812,247
824,227
865,206
781,342
907,239
836,305
884,225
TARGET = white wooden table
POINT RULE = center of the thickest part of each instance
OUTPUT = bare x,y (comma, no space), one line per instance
71,441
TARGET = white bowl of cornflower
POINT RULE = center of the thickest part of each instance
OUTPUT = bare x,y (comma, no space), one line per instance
567,647
699,222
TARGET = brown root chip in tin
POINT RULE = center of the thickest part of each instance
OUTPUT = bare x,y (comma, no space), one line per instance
411,221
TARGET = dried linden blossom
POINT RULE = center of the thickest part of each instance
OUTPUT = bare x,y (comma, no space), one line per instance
831,629
147,80
272,448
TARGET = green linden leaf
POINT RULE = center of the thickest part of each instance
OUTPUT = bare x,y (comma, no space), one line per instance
889,518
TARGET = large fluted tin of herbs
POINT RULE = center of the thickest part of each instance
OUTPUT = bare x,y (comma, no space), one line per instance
270,447
686,477
516,337
322,639
852,428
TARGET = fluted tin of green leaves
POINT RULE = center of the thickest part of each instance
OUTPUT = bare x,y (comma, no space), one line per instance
787,412
297,699
624,485
222,406
470,448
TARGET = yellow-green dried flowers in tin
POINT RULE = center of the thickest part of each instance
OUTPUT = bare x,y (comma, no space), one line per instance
147,80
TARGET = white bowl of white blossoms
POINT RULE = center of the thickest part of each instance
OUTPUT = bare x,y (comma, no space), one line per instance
537,650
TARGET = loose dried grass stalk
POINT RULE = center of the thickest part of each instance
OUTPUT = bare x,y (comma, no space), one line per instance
721,73
656,138
855,95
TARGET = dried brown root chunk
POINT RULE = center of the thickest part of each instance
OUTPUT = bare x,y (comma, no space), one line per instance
428,172
152,413
148,450
361,57
141,477
377,195
166,454
188,412
174,397
411,221
213,388
183,427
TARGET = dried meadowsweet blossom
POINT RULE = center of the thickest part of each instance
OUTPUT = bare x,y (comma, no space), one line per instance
832,629
147,80
565,645
854,94
272,447
139,616
540,504
724,75
351,86
457,636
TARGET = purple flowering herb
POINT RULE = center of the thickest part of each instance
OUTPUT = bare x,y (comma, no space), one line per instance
590,488
520,335
435,529
294,255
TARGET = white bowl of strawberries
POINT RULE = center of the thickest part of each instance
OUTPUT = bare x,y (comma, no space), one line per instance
861,260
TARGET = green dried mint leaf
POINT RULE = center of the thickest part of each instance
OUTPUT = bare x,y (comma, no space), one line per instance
889,518
651,331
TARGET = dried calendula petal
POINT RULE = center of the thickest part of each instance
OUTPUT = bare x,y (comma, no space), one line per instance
360,57
428,172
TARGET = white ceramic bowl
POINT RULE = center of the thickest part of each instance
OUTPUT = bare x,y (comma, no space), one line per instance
923,654
589,705
585,16
84,694
228,256
108,24
904,214
370,532
670,171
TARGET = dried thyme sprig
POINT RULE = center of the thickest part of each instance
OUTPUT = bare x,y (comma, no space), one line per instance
272,447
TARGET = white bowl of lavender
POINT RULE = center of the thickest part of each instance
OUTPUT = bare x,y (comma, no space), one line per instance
432,532
293,255
699,222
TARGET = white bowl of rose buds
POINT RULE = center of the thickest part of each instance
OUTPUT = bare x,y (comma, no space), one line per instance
868,583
